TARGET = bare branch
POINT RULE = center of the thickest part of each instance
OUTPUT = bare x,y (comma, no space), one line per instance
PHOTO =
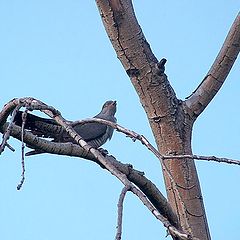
126,177
7,133
207,158
120,212
218,73
24,118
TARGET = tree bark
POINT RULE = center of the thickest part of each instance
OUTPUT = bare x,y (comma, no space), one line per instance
171,119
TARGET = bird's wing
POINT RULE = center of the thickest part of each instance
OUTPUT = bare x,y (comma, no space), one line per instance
88,131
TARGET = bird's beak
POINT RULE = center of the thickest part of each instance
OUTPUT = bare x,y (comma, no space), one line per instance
114,103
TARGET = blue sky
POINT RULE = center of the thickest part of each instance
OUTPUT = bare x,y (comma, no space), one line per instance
58,52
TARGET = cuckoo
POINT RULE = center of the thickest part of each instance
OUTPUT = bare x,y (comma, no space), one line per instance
95,134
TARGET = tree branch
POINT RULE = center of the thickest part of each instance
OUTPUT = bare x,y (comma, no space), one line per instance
207,158
120,212
8,130
218,73
24,118
127,175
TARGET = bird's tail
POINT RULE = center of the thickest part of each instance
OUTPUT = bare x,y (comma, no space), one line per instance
42,127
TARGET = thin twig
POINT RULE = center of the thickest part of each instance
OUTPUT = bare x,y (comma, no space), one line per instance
120,212
7,133
207,158
24,118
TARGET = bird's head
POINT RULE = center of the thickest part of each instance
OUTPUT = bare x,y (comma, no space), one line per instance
109,107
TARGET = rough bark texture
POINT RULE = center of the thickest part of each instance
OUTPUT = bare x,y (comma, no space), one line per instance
171,119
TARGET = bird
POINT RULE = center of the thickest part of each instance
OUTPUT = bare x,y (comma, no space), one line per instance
95,134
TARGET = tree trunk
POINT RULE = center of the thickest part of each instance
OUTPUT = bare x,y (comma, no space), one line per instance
171,120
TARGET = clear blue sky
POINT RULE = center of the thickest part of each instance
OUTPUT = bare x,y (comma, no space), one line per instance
58,52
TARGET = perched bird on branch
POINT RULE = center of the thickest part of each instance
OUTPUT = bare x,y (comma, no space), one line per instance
95,134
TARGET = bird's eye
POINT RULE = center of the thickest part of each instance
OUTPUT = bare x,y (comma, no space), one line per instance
107,104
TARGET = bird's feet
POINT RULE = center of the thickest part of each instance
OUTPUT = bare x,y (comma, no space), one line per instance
103,151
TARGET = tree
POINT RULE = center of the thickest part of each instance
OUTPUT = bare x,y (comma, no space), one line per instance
170,118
